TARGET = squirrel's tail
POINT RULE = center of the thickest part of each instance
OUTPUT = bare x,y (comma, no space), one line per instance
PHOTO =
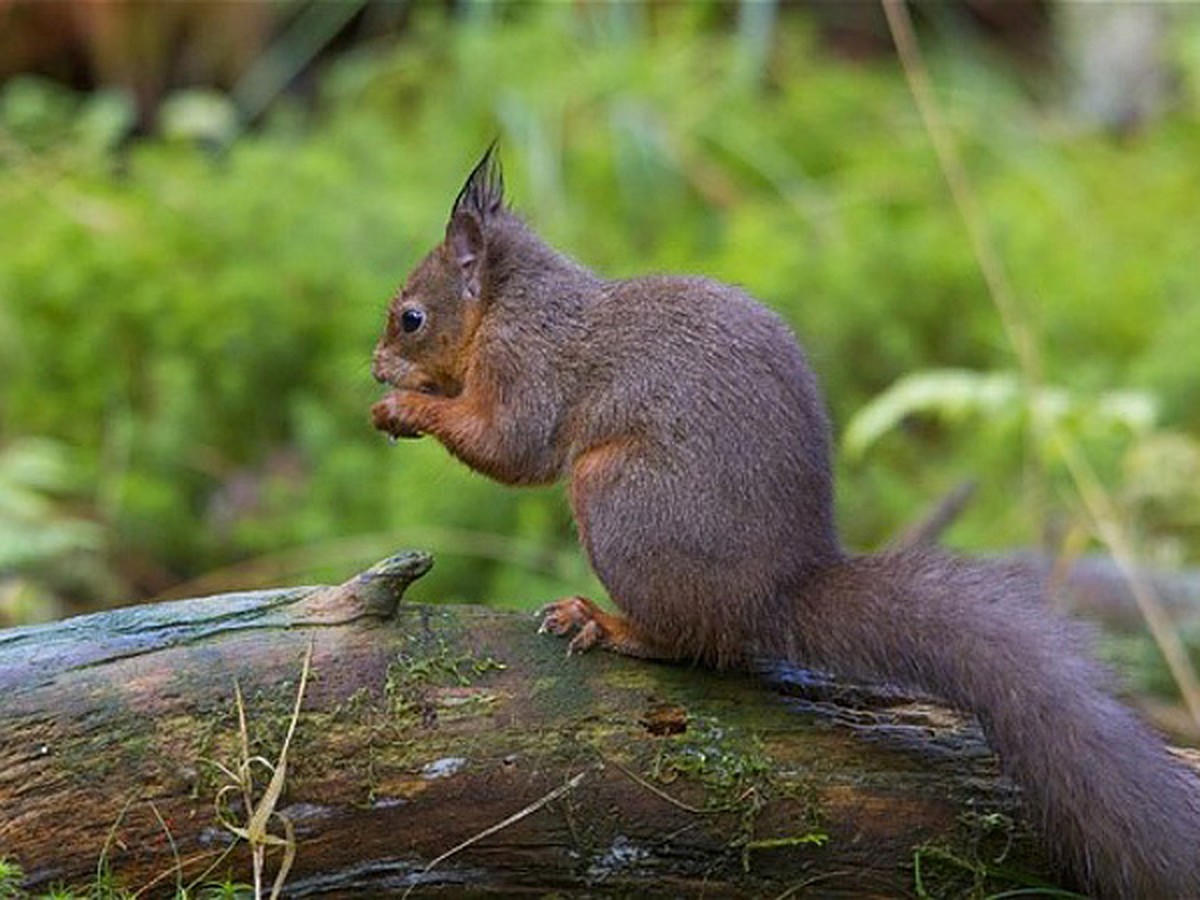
1121,814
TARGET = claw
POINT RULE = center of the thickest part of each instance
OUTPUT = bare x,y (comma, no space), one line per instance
588,636
574,614
557,620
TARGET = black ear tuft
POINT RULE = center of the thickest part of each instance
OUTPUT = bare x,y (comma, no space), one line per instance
483,193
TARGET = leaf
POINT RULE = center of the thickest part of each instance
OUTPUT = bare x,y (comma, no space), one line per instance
951,393
959,394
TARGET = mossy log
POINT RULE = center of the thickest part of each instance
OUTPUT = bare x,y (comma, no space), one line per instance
423,727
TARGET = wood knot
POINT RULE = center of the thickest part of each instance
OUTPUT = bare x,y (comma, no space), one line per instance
663,720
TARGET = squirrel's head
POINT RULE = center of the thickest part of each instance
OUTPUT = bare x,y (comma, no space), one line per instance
432,319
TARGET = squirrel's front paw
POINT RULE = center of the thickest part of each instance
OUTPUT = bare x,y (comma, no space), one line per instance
576,614
395,416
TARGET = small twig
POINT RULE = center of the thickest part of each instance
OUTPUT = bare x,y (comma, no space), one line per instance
955,173
183,865
1108,524
529,810
809,882
929,528
102,861
174,849
659,792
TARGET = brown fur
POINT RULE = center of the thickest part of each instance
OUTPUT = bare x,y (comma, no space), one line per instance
696,442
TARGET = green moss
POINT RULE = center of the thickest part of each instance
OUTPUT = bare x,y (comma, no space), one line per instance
726,765
11,876
116,744
972,863
738,778
218,741
428,660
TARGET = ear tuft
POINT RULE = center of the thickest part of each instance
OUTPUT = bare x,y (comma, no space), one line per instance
483,193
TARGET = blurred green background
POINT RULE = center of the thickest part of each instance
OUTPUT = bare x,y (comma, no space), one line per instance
197,246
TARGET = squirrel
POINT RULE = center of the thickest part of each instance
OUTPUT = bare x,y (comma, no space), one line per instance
695,441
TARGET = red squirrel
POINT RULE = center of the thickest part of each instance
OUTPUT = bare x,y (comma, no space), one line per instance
697,448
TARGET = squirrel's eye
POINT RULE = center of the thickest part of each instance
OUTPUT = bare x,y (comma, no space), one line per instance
411,320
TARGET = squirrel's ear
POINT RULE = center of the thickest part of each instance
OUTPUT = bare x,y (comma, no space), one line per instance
464,238
483,192
481,198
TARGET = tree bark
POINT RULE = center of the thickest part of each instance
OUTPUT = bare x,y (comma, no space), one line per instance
423,727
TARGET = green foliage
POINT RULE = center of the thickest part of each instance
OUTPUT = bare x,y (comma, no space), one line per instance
957,395
11,875
192,329
34,528
104,888
48,548
226,890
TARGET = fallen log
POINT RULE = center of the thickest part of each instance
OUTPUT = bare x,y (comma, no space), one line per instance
429,729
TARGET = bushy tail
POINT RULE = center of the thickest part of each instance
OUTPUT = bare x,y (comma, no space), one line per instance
1120,813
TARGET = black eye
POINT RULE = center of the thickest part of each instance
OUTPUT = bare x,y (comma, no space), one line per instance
411,320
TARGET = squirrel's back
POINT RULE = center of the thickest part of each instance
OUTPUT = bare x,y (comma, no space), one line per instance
719,391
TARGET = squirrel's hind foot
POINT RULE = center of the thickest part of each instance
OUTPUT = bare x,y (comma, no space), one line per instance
575,614
593,627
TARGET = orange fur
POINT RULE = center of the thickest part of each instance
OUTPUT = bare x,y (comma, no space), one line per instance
589,466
